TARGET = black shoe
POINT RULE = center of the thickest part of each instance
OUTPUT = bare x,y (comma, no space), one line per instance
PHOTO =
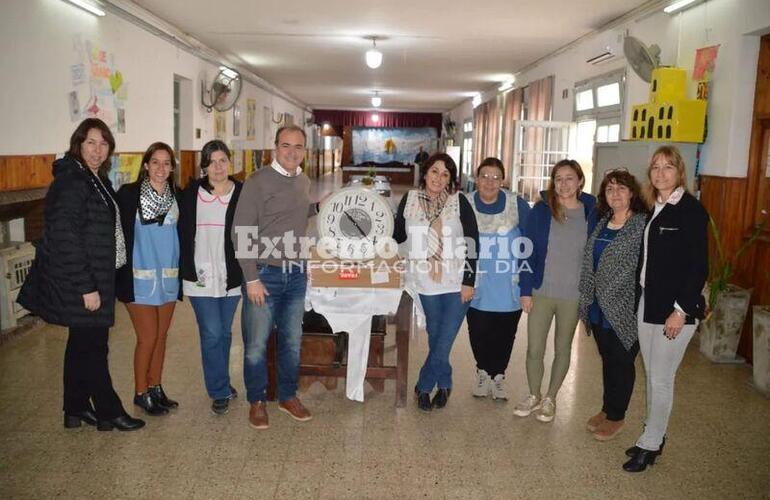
441,397
423,401
220,406
634,450
72,420
640,461
160,398
148,404
121,423
233,393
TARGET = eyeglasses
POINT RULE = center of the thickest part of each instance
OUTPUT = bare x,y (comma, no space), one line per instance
488,177
614,170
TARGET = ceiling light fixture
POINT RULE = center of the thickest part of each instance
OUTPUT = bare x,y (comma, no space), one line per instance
376,99
375,117
229,73
476,99
680,5
508,84
373,56
88,7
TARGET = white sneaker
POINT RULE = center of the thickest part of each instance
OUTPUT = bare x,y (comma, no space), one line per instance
498,387
481,388
547,410
527,406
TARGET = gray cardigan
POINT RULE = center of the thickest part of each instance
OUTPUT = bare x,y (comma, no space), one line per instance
615,280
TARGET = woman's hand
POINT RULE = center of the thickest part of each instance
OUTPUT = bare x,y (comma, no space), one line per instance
256,292
466,293
526,304
92,301
674,324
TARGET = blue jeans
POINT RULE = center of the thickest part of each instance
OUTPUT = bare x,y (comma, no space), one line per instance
215,317
284,308
444,315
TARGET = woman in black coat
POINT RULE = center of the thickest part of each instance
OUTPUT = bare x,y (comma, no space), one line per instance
72,280
673,270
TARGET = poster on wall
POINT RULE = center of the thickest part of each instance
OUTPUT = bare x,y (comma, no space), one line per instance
237,120
705,62
236,165
384,145
99,88
220,125
251,117
125,168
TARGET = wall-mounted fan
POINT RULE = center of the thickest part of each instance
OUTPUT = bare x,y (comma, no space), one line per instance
224,91
643,59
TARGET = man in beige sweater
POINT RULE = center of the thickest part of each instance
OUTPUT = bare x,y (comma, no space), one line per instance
272,212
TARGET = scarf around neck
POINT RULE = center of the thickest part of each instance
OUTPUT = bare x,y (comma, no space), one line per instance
432,208
153,207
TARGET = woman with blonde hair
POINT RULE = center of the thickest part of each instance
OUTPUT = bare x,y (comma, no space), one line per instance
558,227
673,271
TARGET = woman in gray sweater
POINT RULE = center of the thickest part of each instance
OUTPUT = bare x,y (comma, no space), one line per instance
609,294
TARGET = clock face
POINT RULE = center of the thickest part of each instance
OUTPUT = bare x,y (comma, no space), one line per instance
357,219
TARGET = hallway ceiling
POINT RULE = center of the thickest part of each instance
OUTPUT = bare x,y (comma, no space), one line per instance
437,53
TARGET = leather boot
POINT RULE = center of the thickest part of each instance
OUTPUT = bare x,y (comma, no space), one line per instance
440,398
640,461
148,404
122,423
73,420
160,398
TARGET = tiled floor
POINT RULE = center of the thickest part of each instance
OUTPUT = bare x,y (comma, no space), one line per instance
718,447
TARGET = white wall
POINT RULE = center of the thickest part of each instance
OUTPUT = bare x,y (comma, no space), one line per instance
37,39
736,25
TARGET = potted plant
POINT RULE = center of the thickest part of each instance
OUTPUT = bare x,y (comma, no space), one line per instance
368,180
728,304
761,353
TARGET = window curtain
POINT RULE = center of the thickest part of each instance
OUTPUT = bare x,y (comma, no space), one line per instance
344,118
492,132
479,128
534,164
512,102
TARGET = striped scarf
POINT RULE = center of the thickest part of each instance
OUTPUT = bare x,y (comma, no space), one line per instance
432,208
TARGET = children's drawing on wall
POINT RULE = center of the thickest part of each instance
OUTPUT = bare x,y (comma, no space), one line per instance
74,103
98,85
237,120
236,166
220,125
251,116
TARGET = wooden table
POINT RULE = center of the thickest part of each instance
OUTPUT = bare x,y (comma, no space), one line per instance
374,373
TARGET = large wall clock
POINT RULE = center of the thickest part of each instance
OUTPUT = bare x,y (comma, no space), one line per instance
357,219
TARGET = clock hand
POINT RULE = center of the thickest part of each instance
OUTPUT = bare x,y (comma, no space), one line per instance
355,224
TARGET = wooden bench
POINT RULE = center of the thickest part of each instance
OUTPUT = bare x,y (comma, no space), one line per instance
323,353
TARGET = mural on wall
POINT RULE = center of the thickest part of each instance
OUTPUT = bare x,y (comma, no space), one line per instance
382,145
251,117
99,90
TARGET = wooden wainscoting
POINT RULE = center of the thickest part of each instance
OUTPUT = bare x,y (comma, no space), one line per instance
187,167
19,172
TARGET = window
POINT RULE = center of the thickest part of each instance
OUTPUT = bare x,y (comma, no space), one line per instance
584,100
608,95
600,100
467,152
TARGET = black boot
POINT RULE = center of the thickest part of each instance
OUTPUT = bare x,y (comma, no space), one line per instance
441,397
640,461
72,420
121,423
423,401
634,450
148,404
160,398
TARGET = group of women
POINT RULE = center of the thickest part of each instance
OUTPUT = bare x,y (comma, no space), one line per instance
630,266
146,245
